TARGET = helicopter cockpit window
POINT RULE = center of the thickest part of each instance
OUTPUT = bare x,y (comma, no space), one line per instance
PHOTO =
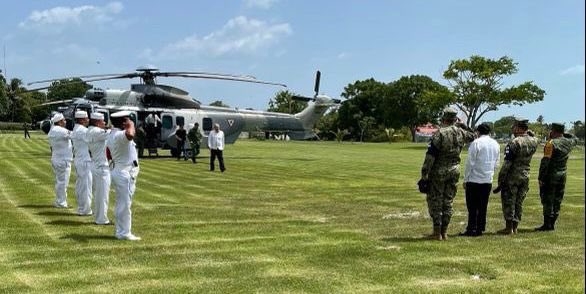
180,121
167,122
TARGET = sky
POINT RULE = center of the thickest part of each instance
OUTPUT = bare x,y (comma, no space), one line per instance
286,41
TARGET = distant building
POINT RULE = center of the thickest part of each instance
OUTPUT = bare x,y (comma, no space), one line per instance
424,132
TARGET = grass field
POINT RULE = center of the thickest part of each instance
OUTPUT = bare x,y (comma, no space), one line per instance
294,217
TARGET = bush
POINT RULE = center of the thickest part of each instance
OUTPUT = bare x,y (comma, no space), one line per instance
10,126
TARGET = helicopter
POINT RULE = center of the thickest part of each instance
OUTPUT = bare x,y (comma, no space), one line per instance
174,107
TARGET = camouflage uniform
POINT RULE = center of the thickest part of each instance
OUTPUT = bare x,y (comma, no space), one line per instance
552,174
442,168
140,140
194,137
513,179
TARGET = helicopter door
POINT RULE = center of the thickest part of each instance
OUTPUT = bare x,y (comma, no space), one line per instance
167,126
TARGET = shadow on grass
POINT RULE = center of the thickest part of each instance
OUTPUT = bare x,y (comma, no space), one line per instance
423,146
63,222
55,213
87,238
259,157
36,206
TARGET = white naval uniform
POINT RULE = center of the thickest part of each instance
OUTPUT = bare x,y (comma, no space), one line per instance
61,156
83,166
100,173
124,173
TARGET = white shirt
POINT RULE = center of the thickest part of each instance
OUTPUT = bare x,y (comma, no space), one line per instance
97,145
483,159
153,120
59,139
216,140
80,143
122,150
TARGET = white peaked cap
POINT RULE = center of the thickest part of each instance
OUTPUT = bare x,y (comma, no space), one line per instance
121,113
80,114
96,115
57,117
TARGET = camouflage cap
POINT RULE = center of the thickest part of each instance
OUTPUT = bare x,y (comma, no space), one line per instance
558,127
449,112
521,122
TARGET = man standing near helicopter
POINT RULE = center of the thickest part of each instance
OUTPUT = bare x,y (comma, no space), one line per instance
97,135
83,164
216,146
61,157
124,170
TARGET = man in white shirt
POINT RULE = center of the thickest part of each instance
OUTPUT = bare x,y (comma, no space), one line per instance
61,157
97,135
483,160
216,146
124,171
83,164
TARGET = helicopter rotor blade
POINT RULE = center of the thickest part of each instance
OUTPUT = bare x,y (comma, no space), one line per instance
229,78
179,73
65,101
76,77
317,80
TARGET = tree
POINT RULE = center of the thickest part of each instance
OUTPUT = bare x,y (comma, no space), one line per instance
414,100
502,127
578,129
4,101
477,84
540,126
363,99
364,122
283,102
67,89
219,103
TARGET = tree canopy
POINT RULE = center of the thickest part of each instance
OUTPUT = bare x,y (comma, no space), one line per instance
283,102
477,84
219,103
67,89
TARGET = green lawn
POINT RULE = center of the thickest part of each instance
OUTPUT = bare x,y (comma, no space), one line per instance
293,217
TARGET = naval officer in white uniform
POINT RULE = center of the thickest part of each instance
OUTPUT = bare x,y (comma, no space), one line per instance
124,170
97,135
83,164
61,157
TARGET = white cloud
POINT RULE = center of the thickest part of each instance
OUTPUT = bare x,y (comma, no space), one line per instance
57,18
343,55
263,4
574,70
239,35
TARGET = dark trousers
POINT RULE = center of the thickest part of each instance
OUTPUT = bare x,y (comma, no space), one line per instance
477,203
220,154
181,149
26,134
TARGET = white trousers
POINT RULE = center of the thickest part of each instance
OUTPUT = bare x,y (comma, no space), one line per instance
124,185
101,189
83,186
62,170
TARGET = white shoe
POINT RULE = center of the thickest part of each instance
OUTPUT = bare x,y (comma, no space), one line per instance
60,205
130,237
85,213
103,224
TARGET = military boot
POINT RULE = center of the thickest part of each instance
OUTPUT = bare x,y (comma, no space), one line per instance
508,230
444,232
552,221
546,224
436,235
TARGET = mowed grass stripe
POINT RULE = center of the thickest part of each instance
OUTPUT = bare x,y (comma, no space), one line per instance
311,217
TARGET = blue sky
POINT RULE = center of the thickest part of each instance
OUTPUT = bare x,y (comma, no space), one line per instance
288,40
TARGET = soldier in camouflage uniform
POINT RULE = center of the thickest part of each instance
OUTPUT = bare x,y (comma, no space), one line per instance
194,137
513,179
552,174
441,169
